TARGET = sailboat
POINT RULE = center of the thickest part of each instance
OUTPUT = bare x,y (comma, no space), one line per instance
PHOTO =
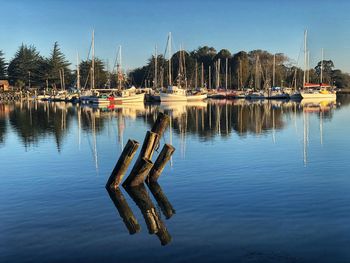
275,92
122,95
311,90
177,93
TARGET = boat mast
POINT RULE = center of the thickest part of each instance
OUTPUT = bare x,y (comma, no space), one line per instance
119,68
196,75
321,77
295,79
93,61
169,50
202,76
155,68
78,72
308,67
209,77
274,70
305,59
226,68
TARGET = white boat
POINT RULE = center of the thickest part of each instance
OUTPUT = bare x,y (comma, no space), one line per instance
318,92
174,93
124,97
177,93
310,90
128,98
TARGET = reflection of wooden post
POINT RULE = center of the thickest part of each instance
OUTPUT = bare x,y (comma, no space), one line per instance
160,163
154,224
143,201
122,164
149,145
161,199
139,172
124,210
163,234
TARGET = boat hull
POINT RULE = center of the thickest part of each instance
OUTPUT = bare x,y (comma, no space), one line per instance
137,98
129,99
165,97
305,95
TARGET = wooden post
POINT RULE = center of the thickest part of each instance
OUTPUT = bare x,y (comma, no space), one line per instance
160,124
124,210
122,164
138,173
161,199
160,163
149,145
144,202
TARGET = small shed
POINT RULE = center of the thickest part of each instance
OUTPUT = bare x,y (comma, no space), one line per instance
4,85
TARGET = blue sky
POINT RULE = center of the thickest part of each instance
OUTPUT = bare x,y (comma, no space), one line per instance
275,26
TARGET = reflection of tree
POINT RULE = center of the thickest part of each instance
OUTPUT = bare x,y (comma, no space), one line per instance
2,126
33,121
223,118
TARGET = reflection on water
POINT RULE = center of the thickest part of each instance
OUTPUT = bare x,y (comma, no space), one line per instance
252,181
35,120
150,214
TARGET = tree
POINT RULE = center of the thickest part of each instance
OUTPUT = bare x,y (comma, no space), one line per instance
340,79
101,75
240,69
26,66
3,66
326,72
55,66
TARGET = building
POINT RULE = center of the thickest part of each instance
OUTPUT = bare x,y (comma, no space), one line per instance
4,85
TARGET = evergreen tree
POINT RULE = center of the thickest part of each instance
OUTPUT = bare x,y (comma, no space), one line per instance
55,66
26,66
3,66
101,75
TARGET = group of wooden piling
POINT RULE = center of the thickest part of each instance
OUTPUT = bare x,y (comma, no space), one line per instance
143,171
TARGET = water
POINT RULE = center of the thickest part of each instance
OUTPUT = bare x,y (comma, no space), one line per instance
248,182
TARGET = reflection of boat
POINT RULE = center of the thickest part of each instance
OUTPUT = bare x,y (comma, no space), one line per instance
180,107
318,104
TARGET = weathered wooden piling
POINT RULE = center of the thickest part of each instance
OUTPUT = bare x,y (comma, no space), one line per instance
161,199
124,210
149,145
160,163
143,201
138,173
122,164
160,124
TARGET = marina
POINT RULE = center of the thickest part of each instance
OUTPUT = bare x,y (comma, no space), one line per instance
80,144
174,131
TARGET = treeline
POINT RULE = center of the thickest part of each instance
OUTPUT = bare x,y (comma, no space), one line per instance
201,67
207,67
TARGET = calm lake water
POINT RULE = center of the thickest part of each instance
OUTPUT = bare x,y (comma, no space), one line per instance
251,181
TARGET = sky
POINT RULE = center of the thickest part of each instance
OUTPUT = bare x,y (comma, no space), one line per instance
139,25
